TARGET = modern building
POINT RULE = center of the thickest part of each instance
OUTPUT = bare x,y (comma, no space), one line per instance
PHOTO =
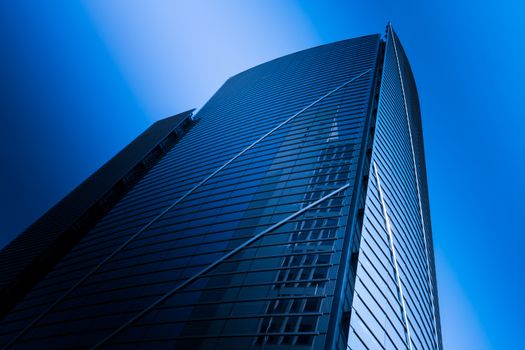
290,212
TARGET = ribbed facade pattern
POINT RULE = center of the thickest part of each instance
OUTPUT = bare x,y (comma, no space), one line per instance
278,292
395,301
28,257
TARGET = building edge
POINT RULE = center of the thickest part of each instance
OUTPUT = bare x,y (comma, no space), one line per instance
338,328
28,257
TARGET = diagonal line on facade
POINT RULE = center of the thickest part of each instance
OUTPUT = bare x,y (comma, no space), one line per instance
394,257
430,284
171,206
215,263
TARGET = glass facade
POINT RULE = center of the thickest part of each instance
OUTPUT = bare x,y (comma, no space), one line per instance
247,232
395,299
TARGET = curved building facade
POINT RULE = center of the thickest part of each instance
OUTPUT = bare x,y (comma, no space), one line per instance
395,302
291,212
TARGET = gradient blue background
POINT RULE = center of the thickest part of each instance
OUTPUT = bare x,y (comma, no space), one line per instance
79,80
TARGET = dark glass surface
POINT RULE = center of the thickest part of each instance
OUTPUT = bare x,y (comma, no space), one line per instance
278,291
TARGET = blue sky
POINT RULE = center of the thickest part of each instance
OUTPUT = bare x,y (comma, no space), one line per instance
82,79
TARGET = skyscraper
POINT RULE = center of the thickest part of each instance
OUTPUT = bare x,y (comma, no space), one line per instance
290,212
